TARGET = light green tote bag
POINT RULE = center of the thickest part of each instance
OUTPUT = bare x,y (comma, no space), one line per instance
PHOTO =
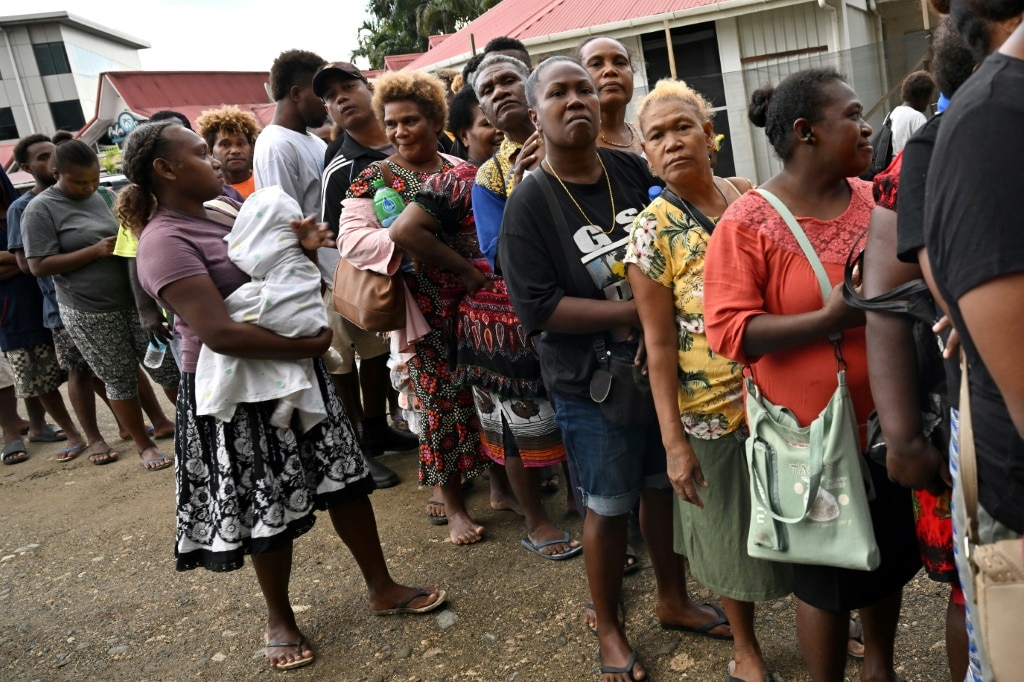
808,484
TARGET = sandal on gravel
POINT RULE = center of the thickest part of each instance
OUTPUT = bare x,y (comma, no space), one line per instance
632,561
623,670
855,645
404,608
705,629
549,483
101,458
566,539
770,676
48,434
297,663
434,519
14,452
68,454
161,462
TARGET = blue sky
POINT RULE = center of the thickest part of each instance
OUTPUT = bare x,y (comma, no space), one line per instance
221,35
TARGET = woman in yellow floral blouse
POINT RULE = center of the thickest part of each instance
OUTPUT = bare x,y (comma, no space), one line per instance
698,394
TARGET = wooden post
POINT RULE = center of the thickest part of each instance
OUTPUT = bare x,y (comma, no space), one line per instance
671,50
472,44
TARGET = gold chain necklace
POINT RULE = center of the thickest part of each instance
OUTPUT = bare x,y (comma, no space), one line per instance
579,208
632,138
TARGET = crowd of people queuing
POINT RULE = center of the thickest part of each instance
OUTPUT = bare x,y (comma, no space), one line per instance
544,233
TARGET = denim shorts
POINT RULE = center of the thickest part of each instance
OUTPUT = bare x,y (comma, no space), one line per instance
615,462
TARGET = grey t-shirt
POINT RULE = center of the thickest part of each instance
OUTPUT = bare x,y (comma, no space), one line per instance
53,223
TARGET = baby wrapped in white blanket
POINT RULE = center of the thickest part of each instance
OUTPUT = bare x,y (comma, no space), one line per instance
283,296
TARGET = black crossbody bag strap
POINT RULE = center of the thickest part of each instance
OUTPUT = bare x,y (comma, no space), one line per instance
896,300
579,274
689,209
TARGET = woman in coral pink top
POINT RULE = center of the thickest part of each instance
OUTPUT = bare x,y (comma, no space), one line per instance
763,308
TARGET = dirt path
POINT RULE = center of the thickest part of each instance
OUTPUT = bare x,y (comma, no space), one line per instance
88,591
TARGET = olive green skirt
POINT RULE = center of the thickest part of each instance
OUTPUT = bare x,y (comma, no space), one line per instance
714,539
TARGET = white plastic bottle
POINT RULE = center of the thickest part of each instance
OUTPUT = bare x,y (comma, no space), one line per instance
155,354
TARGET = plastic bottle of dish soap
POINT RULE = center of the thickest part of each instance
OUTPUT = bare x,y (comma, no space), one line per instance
387,203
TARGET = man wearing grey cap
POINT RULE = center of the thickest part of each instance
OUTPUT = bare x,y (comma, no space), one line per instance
347,95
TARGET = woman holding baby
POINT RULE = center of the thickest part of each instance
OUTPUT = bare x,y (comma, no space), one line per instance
245,486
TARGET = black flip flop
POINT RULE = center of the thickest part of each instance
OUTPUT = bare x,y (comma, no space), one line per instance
436,520
704,629
621,670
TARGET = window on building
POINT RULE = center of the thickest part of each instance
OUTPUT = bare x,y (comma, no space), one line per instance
67,115
8,130
52,58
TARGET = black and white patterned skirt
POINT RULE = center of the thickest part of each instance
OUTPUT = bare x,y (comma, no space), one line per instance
247,487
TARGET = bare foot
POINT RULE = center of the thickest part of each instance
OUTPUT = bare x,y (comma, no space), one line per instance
287,648
162,431
463,530
692,616
549,531
502,497
505,502
590,617
396,594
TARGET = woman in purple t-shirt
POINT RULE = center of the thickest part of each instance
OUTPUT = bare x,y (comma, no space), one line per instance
245,486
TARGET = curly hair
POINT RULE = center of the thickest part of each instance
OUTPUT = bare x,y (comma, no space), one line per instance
418,87
171,115
507,44
953,61
917,89
800,95
668,89
972,28
61,136
228,120
74,153
292,68
997,10
136,202
21,149
463,111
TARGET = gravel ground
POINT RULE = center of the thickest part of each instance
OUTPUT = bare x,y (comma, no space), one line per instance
88,591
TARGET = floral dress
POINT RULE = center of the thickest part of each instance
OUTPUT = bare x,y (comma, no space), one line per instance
669,246
449,434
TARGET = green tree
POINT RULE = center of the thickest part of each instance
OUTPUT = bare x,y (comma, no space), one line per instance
403,26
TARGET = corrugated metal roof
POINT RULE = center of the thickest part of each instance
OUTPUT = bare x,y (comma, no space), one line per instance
397,62
155,90
526,19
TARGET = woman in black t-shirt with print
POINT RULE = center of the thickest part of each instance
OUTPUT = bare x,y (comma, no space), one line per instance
596,195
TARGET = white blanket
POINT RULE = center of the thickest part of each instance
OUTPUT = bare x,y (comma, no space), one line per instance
283,297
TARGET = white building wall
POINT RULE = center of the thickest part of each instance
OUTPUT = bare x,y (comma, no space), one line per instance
91,55
28,94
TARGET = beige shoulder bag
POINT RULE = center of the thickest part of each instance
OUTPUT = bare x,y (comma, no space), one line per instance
997,568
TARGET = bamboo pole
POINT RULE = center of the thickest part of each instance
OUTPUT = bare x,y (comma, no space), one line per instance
671,51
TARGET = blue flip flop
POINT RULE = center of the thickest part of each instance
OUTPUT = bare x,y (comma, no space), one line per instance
565,539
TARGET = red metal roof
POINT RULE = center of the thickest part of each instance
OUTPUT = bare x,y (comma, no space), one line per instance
192,92
397,62
526,19
7,155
